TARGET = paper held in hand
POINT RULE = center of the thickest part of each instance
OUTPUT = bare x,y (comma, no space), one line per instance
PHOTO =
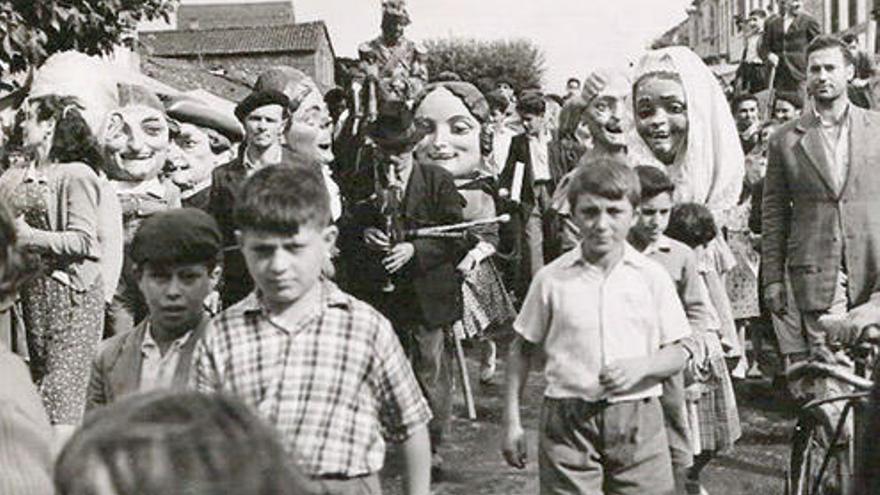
516,187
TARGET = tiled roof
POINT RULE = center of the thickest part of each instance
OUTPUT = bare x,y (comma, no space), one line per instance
187,76
242,40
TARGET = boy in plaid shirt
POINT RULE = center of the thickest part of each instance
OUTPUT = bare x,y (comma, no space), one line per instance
324,368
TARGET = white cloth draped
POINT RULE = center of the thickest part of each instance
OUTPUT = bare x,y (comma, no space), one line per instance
710,168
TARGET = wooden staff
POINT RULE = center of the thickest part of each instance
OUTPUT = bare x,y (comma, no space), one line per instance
771,95
457,337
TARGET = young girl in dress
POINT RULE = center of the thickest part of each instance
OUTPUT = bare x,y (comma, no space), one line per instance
713,415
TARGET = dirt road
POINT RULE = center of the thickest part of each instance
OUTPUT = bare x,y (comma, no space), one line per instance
473,463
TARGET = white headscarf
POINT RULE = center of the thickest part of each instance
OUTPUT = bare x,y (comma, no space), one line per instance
710,169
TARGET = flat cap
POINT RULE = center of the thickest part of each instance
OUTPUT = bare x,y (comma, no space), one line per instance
185,108
180,235
259,99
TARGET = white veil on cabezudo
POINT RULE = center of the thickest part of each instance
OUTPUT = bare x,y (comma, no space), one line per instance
710,168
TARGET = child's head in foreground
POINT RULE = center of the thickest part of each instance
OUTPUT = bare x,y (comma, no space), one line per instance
284,231
172,442
603,198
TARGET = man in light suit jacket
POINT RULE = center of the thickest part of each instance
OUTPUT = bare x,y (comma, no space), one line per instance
785,40
529,178
175,254
821,198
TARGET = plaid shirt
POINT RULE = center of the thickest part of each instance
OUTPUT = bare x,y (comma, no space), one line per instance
333,387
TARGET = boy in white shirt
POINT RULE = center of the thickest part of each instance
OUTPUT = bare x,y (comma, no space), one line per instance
609,321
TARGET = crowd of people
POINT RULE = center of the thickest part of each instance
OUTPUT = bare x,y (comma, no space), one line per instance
255,302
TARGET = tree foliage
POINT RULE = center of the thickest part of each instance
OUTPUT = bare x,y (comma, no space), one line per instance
31,30
484,62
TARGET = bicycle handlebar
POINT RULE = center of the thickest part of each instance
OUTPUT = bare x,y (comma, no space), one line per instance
828,370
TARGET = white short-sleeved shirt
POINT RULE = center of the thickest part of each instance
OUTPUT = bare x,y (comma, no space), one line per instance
585,319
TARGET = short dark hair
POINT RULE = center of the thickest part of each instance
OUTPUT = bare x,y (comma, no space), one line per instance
792,97
608,177
504,80
742,98
758,13
177,442
849,38
281,199
73,140
692,224
653,182
497,101
447,75
827,41
573,80
531,102
335,95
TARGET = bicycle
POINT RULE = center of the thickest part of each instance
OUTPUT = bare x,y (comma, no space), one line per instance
819,444
820,447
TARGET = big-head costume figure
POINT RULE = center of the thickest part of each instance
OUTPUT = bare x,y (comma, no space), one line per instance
136,141
309,135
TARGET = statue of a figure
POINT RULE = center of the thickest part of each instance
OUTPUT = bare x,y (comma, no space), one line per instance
394,62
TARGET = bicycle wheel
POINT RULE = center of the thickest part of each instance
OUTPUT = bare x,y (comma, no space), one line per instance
812,449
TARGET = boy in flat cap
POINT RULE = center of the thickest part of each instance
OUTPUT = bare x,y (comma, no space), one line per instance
321,366
264,115
175,253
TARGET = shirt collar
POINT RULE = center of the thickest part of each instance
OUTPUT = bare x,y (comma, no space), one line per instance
250,165
331,296
839,121
576,259
152,187
663,244
542,137
150,343
201,186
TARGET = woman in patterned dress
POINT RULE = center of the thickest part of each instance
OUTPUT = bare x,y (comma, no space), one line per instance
54,197
457,115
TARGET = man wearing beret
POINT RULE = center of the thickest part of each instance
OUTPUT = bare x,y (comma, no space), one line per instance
201,140
264,115
175,254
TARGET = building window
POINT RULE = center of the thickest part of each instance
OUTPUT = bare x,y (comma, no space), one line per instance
853,12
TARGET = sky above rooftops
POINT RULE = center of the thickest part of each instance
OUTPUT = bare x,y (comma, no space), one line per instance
576,35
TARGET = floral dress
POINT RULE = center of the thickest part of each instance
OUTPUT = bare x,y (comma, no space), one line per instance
63,324
742,281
